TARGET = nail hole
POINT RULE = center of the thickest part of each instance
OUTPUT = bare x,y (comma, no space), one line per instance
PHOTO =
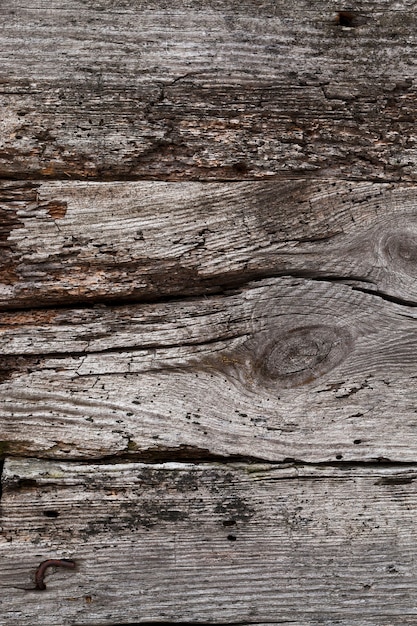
229,522
346,19
26,483
339,456
357,441
231,537
240,167
50,513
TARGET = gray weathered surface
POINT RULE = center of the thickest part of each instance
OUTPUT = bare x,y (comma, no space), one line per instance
209,90
208,236
294,368
90,242
208,543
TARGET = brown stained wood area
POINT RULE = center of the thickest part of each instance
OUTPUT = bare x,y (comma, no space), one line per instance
208,264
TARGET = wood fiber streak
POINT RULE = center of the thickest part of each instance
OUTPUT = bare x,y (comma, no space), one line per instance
75,242
285,368
208,543
210,90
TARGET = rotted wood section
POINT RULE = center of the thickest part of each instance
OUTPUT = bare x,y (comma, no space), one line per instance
175,542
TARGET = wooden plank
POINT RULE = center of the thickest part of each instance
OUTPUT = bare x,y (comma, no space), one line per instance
208,544
90,242
210,90
285,368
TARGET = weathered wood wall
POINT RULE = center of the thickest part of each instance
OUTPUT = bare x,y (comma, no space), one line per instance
208,236
238,544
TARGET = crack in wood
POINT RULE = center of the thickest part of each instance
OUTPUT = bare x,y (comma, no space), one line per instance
385,296
226,288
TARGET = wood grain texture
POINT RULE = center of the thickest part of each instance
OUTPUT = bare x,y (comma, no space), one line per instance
80,242
207,90
208,544
284,368
266,317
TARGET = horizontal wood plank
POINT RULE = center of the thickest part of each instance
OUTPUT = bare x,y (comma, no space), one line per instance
285,368
210,90
208,544
89,242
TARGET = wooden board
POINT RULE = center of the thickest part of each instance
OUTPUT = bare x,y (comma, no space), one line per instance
103,242
208,544
208,90
284,368
208,235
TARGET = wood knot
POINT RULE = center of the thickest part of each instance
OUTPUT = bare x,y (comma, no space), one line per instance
400,249
299,355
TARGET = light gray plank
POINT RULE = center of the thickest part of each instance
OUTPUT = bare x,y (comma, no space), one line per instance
285,368
208,90
208,543
90,242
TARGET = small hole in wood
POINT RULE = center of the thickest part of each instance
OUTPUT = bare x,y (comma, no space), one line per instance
357,441
229,522
339,456
346,19
240,167
231,537
26,483
51,513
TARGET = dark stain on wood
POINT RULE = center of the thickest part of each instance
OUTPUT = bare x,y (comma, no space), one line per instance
395,480
348,19
234,507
